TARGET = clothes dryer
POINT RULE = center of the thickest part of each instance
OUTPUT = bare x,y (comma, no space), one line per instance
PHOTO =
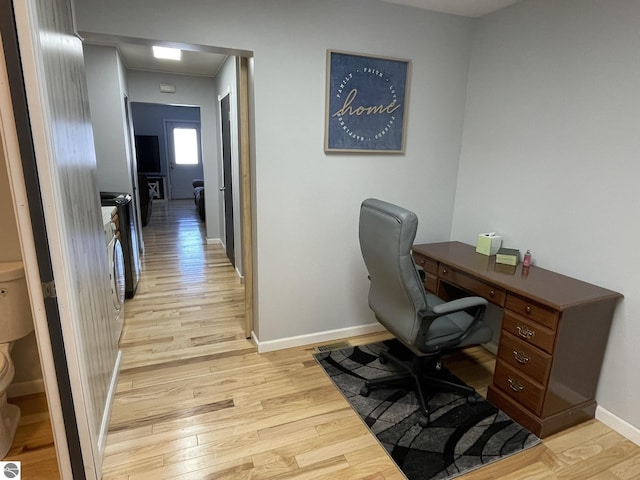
116,268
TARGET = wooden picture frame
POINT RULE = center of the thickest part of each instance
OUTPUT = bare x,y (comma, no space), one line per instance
366,103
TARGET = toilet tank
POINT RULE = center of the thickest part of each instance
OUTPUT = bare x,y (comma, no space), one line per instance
16,320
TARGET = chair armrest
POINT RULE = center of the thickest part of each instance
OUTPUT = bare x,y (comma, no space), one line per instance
459,304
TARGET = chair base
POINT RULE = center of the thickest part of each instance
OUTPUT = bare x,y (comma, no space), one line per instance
416,375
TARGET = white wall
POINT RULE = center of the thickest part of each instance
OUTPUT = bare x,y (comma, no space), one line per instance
190,91
105,81
550,155
310,275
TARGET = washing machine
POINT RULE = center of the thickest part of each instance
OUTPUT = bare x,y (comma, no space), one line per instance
116,268
128,237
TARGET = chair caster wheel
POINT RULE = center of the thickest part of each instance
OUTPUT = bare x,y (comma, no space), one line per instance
423,420
382,360
365,391
471,398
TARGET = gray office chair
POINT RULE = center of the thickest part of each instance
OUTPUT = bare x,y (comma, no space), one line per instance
425,325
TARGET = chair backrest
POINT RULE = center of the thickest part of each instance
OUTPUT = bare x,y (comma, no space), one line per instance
396,293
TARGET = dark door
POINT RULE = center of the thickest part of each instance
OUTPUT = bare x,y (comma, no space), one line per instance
227,185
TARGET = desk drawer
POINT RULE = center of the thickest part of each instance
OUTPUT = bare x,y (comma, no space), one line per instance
519,387
528,331
429,264
524,358
430,267
491,293
532,310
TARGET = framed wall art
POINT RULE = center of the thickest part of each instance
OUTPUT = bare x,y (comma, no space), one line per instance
366,104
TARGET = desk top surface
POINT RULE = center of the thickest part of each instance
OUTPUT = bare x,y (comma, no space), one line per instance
554,289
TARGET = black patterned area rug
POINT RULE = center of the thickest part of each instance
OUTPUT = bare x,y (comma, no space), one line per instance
461,436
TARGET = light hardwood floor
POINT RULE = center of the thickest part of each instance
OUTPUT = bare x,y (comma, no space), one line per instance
196,401
33,444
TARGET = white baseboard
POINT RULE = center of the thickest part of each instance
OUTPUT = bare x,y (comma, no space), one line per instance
214,241
300,340
104,425
616,423
20,389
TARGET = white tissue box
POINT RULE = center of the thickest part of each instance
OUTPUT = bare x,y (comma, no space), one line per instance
488,243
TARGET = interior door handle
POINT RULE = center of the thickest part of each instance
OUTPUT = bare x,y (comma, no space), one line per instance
222,189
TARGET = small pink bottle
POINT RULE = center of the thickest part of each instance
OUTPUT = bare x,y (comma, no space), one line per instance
527,259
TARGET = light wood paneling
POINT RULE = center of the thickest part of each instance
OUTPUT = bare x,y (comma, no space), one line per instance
196,401
55,82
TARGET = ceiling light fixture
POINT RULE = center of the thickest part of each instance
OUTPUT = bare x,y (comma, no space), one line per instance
167,53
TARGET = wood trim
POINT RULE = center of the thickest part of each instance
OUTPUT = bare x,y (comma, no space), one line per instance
245,191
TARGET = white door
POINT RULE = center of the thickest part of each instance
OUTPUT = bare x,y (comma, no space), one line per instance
185,157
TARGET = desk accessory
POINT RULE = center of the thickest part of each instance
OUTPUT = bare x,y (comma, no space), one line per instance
527,259
508,256
504,268
488,243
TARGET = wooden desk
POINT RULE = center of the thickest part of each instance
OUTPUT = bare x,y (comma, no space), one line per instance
554,333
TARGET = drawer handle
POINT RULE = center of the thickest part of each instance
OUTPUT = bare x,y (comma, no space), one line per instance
444,271
524,331
422,262
492,293
527,309
521,357
515,385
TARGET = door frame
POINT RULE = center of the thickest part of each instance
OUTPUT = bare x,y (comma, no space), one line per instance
246,192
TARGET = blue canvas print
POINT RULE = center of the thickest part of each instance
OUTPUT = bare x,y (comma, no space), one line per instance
366,103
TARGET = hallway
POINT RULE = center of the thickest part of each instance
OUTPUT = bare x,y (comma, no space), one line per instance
186,317
194,398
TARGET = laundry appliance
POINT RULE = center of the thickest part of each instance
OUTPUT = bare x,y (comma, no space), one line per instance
116,266
126,227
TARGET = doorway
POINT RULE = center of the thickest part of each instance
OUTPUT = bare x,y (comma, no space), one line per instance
185,157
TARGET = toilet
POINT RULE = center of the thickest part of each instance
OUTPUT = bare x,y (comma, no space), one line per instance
15,322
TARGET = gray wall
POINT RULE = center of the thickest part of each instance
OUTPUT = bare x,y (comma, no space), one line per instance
310,273
107,88
550,155
547,154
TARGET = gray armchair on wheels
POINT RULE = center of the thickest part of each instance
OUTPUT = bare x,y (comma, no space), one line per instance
425,325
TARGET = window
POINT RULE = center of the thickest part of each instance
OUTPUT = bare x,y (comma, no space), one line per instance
185,146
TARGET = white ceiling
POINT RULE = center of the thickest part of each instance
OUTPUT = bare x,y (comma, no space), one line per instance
138,55
465,8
